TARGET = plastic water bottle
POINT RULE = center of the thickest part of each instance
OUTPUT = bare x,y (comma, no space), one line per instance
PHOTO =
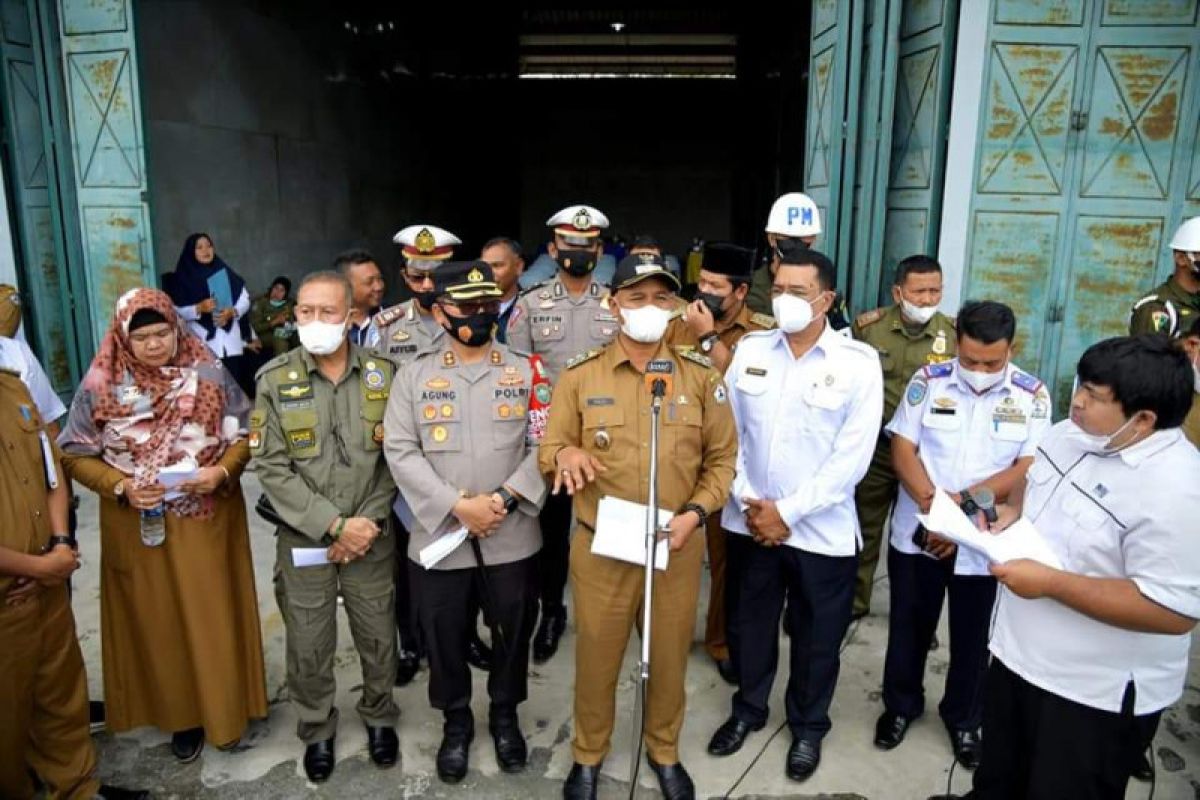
154,528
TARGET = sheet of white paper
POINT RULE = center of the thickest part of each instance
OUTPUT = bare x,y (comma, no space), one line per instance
309,557
442,546
1019,540
621,532
172,475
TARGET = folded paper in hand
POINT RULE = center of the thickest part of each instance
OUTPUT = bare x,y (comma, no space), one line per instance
310,557
174,475
1019,540
621,532
442,546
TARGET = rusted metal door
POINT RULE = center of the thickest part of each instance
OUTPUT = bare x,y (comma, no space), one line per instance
100,71
36,182
1088,125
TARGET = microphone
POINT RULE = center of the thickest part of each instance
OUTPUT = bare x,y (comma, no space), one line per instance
983,500
660,380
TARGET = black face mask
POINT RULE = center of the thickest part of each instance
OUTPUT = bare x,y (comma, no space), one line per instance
479,328
576,263
713,302
425,299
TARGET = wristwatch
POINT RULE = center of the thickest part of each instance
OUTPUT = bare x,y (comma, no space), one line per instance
707,341
700,512
510,500
119,491
58,539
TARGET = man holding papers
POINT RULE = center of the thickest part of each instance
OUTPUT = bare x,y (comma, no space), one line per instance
970,423
597,445
458,442
808,403
1086,658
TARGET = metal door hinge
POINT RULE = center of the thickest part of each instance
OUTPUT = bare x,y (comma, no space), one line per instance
1079,120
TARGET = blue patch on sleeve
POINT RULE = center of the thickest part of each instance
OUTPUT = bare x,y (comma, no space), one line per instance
941,370
1024,380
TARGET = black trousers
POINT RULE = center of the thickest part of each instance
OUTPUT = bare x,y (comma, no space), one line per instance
447,618
820,592
737,549
1039,746
554,560
406,612
919,585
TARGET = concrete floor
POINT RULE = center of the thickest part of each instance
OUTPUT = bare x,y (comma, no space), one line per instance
267,764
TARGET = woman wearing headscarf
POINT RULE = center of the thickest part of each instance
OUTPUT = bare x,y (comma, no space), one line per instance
213,300
274,319
179,619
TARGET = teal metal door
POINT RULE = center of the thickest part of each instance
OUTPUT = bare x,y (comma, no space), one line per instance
53,328
99,61
1088,120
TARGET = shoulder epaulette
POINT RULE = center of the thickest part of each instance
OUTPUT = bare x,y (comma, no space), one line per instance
1024,380
534,288
275,363
869,317
388,315
575,361
1150,298
690,354
762,320
942,370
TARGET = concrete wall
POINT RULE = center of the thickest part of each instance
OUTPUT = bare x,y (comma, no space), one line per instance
249,141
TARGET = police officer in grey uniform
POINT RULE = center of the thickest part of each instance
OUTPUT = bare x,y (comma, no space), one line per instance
316,435
458,444
558,320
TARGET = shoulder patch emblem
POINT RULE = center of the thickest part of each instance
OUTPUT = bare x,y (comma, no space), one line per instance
575,361
1023,380
763,320
869,317
916,392
692,355
942,370
1161,321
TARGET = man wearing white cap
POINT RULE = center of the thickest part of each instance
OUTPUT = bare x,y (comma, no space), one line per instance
559,319
793,216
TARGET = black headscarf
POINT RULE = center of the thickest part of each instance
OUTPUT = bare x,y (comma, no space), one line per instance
189,285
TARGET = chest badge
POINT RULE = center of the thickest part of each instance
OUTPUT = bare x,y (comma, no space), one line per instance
440,434
602,440
939,343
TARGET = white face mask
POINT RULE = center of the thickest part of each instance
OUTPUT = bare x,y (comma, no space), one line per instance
646,324
322,338
1099,444
792,314
915,313
980,381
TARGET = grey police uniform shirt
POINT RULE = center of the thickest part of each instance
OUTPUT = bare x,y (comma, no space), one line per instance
550,322
402,334
454,430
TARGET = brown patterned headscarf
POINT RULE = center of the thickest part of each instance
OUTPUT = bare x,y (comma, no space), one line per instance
140,418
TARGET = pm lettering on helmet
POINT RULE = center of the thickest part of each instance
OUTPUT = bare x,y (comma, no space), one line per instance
804,214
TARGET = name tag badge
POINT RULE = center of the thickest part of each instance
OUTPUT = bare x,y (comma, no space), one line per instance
303,439
757,371
600,401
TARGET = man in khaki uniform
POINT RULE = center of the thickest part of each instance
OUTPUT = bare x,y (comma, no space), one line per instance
1172,307
557,320
596,445
43,687
316,435
909,334
712,324
405,331
458,445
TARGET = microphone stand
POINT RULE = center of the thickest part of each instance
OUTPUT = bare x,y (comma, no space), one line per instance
658,391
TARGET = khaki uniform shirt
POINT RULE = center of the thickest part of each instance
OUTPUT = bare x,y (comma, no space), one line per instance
24,472
457,430
1168,309
548,321
901,352
602,405
679,334
318,445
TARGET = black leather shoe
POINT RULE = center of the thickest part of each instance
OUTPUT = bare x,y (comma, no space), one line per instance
730,737
117,793
803,758
511,752
318,760
673,780
452,755
966,746
479,655
549,631
407,665
890,730
383,744
186,745
581,782
1142,771
728,671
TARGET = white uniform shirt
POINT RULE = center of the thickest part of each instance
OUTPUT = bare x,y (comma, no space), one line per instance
1130,515
17,356
963,437
806,431
225,343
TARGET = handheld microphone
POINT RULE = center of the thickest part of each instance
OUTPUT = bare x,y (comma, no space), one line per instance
660,380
